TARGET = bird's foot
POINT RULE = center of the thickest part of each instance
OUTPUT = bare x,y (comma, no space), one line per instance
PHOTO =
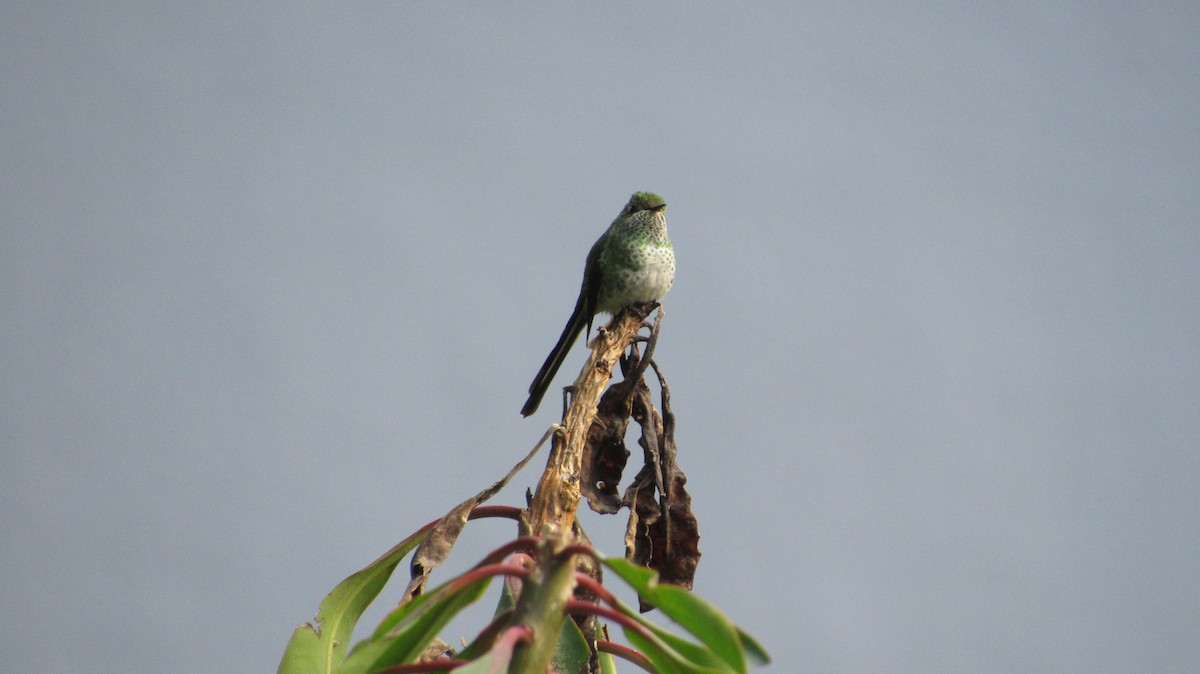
567,392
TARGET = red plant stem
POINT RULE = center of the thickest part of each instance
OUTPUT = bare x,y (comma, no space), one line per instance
483,512
591,585
579,549
523,544
487,636
506,512
625,652
481,572
576,606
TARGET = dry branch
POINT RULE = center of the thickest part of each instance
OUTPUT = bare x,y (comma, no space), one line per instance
557,497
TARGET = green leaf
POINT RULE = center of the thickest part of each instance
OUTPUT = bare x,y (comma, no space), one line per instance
754,651
667,660
488,663
419,627
320,648
704,621
572,652
687,610
499,657
608,663
696,654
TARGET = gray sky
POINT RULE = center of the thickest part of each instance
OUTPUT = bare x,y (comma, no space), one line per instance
274,281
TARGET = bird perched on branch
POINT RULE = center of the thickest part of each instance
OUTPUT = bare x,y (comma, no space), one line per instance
632,262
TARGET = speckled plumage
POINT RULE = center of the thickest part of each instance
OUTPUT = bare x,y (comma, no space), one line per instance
632,262
636,261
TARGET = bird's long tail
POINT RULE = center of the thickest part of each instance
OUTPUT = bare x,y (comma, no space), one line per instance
541,383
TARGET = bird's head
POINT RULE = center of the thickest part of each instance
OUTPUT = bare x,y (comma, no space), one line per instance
644,201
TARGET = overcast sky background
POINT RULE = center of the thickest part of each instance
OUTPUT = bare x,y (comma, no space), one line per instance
274,281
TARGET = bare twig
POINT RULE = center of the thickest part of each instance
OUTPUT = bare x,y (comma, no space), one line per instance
557,496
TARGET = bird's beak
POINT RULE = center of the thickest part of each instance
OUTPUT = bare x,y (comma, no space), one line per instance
659,208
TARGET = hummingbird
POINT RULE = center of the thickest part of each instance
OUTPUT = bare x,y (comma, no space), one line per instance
632,262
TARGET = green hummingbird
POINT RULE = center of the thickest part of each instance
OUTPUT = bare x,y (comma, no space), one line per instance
632,262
